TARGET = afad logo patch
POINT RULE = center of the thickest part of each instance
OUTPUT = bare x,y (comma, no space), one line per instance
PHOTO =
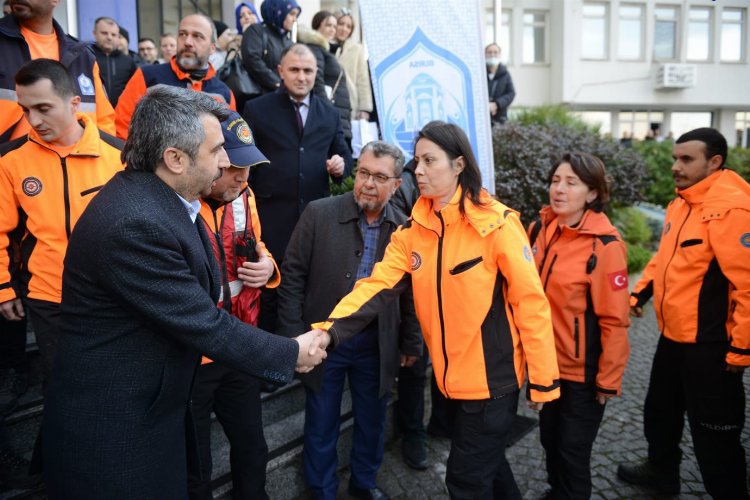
31,186
618,280
416,261
745,240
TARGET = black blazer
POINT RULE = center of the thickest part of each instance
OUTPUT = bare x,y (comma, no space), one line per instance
138,309
297,173
320,268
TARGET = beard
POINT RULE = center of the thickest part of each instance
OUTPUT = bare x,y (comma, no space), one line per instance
191,61
370,205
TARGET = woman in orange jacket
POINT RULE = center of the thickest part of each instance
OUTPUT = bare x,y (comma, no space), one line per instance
479,302
583,266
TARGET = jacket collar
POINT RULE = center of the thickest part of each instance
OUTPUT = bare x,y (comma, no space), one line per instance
182,75
594,223
9,26
349,210
88,145
697,192
484,219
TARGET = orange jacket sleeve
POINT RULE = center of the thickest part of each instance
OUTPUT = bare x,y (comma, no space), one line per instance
134,90
609,294
8,222
644,289
105,113
275,279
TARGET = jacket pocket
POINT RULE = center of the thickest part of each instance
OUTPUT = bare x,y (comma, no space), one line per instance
91,190
577,337
690,243
465,266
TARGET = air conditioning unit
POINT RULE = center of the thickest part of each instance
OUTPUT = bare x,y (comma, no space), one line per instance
671,76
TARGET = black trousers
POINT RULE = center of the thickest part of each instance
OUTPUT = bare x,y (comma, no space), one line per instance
567,429
13,344
477,467
45,320
693,378
235,399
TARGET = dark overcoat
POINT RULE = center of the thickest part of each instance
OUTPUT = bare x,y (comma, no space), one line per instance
297,173
138,308
320,268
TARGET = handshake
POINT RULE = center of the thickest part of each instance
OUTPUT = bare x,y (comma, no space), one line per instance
312,349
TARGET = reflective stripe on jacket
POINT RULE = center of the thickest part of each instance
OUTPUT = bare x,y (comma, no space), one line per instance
226,224
47,194
584,274
477,296
700,276
165,74
74,55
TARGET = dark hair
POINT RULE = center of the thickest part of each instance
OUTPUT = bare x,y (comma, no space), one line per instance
146,39
107,20
590,170
38,69
453,140
715,143
319,17
168,117
381,149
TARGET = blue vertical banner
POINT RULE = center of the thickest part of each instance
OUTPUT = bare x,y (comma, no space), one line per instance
124,12
427,63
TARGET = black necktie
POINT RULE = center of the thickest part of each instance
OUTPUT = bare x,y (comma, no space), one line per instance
300,125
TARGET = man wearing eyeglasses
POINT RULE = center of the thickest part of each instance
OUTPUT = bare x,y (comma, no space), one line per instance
336,242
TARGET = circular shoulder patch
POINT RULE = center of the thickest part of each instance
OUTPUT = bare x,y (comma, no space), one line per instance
416,261
244,134
31,186
745,240
667,227
527,252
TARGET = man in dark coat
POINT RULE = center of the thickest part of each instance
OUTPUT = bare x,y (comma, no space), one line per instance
116,67
301,135
336,242
139,293
499,85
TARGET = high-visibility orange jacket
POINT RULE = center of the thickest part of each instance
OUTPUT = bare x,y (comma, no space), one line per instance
165,74
230,225
700,275
477,296
76,56
584,274
47,194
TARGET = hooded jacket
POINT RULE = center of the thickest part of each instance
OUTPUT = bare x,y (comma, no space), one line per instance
47,194
166,74
584,273
477,295
502,92
700,275
74,55
330,74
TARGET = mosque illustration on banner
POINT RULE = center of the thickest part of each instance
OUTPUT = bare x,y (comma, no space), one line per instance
421,82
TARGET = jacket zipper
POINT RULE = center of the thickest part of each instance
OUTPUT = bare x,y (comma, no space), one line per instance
227,301
576,336
440,299
664,279
66,196
549,271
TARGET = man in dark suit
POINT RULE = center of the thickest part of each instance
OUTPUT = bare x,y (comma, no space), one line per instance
300,133
140,288
336,242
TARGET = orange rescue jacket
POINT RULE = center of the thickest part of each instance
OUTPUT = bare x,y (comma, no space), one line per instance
700,275
48,194
226,224
477,296
584,274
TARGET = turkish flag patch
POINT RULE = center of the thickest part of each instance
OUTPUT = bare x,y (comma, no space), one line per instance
618,280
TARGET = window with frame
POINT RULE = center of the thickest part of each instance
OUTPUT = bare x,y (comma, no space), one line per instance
505,36
594,32
685,121
666,32
600,119
699,34
630,32
732,35
534,37
640,124
742,118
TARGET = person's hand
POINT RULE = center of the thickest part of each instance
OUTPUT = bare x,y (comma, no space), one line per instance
735,368
603,398
493,108
636,311
312,350
335,166
408,361
362,115
535,406
256,274
12,310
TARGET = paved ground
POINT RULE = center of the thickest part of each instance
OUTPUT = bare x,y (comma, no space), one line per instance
620,439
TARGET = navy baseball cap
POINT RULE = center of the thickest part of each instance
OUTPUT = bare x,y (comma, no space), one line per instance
239,143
